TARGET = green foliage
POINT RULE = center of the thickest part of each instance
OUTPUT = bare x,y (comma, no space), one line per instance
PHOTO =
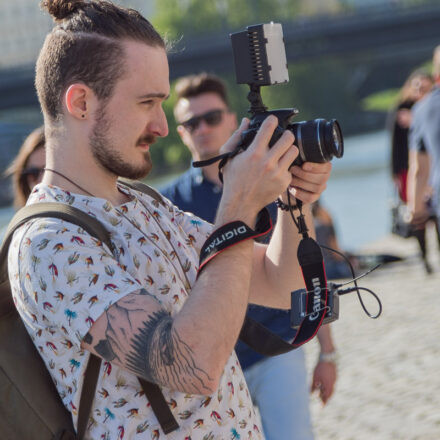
381,101
189,17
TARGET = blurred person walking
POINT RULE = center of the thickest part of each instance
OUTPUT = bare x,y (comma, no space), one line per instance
417,85
278,385
424,157
415,88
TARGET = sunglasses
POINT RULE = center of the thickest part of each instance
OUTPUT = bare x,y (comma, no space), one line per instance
211,118
33,172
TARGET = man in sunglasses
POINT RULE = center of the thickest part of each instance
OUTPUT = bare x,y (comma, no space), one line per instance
278,385
205,124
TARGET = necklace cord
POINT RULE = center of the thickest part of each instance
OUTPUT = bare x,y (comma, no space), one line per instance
69,180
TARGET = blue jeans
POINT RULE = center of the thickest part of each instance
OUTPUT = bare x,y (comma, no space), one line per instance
279,387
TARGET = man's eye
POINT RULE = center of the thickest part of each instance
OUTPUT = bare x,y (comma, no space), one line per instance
147,102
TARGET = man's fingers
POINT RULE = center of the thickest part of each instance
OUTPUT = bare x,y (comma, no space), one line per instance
312,172
235,139
284,150
288,157
264,134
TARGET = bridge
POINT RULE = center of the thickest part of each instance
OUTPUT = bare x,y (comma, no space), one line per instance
383,43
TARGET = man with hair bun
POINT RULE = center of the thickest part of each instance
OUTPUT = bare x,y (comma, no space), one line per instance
101,78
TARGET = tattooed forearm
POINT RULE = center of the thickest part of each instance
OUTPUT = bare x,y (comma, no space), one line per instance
158,354
137,334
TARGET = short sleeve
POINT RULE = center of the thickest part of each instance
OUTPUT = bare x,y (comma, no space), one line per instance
65,278
416,140
196,229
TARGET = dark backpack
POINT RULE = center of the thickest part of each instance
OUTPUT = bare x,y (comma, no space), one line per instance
30,406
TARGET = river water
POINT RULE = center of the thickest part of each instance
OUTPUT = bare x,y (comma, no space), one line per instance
358,193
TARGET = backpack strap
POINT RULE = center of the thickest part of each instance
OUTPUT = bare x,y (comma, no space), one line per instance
143,188
87,394
57,210
52,209
95,228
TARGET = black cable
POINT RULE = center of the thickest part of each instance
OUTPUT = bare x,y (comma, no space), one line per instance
354,280
357,289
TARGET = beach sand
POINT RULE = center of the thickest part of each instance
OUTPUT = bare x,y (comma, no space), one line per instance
389,368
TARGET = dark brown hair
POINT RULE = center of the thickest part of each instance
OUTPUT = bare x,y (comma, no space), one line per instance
33,142
85,46
192,86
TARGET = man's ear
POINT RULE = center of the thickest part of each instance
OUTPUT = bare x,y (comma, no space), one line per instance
79,101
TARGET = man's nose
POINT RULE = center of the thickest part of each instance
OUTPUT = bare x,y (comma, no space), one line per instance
160,124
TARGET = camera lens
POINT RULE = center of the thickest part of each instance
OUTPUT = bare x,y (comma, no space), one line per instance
318,140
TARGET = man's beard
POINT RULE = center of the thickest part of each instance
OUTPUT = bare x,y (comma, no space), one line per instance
109,158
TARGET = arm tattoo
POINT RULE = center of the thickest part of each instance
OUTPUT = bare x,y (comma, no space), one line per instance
154,350
161,356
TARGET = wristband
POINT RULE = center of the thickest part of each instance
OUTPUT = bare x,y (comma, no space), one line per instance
329,357
233,233
284,207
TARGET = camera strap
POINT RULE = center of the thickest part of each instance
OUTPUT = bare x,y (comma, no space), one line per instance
230,234
267,343
223,158
312,266
310,258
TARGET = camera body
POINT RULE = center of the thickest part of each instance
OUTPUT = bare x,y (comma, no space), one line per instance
260,60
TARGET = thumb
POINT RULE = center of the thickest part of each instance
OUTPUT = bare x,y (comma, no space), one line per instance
235,139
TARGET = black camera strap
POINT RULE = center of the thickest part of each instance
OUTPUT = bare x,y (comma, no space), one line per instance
267,343
223,158
230,234
312,266
310,258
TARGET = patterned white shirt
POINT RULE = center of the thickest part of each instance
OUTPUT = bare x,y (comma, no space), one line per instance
63,280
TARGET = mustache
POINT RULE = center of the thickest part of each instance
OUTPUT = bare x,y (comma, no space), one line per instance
147,139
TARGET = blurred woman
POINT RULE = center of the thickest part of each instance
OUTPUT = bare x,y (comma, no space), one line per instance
415,88
28,166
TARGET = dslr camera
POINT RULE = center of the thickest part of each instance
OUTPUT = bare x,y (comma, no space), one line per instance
260,60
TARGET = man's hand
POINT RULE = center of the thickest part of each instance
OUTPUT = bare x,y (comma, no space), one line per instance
324,378
255,177
309,180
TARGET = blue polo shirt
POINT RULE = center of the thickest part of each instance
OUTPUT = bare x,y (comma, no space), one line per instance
192,192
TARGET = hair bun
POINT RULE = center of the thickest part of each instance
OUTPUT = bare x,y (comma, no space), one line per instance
60,9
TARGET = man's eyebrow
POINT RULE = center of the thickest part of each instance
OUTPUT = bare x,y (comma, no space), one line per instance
154,95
